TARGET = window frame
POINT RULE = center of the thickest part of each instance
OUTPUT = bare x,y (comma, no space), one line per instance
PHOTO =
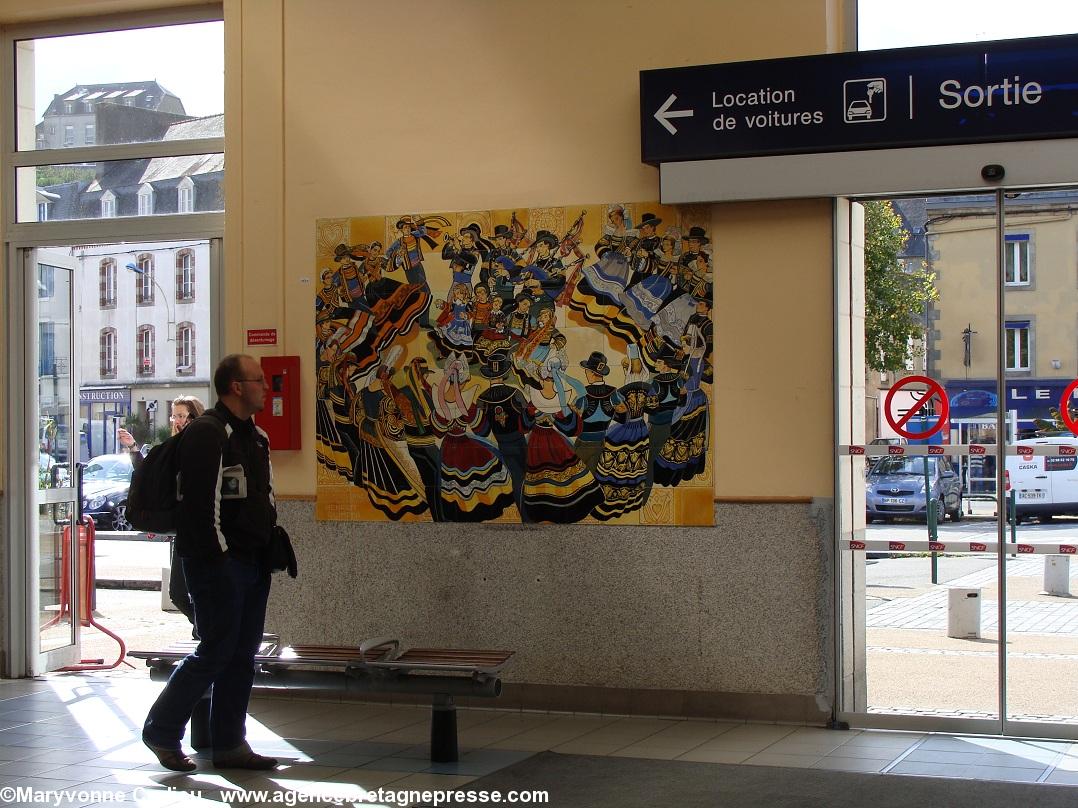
1019,340
185,349
185,196
185,286
1018,252
107,282
106,354
108,205
145,200
18,652
144,280
145,351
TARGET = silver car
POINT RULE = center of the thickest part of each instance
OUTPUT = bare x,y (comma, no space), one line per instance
895,486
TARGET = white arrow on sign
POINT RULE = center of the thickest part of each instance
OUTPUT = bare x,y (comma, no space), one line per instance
665,113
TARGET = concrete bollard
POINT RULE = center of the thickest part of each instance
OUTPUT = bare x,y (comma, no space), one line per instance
1057,575
964,613
166,602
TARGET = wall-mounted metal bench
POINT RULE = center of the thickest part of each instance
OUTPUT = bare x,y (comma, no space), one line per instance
376,665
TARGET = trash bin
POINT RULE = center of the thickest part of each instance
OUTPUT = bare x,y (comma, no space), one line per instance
1057,575
964,613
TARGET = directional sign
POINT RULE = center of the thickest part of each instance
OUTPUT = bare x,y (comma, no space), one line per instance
1065,407
935,390
1023,89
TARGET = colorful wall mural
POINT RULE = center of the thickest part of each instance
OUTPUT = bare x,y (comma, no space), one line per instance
551,365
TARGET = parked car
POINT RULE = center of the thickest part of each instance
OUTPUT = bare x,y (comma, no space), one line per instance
105,481
895,487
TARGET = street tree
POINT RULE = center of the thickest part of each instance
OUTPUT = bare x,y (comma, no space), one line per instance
896,295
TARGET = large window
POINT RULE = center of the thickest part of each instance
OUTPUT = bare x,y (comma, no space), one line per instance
1017,268
185,275
185,349
1018,335
144,283
144,351
107,283
107,353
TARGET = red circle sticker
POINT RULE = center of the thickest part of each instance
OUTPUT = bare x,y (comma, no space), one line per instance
935,390
1065,410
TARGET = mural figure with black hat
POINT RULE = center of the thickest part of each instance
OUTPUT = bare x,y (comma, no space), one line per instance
622,470
503,413
352,279
664,394
469,245
392,486
684,454
597,407
416,406
407,253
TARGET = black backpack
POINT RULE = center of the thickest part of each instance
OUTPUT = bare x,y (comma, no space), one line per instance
153,497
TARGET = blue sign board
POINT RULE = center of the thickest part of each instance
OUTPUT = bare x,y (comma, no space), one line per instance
1023,89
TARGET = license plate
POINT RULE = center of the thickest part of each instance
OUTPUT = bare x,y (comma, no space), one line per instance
1031,494
893,501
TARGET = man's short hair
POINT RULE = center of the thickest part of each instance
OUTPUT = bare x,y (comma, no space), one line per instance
229,370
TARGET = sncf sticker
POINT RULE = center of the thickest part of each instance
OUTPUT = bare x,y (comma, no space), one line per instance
1068,549
1025,548
896,450
1025,451
857,450
857,545
896,545
935,450
974,449
1067,451
977,547
937,546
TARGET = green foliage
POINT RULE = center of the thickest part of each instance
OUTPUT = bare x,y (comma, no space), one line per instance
56,175
1054,424
895,296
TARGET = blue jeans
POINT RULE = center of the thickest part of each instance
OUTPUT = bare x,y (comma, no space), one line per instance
230,598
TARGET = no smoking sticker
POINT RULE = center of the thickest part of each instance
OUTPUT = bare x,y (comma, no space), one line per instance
934,391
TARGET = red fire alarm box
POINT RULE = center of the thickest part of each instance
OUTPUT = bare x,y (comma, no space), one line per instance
280,418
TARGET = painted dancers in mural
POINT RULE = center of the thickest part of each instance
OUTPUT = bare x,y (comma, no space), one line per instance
479,384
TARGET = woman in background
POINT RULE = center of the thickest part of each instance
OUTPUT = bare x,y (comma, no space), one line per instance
185,409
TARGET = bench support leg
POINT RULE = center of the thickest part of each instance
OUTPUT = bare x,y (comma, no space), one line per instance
200,724
443,730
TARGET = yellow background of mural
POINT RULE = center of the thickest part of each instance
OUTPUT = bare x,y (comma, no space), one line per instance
338,499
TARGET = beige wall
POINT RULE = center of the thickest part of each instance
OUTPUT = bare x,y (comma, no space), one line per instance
353,109
964,257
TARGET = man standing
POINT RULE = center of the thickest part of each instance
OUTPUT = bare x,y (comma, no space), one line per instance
225,525
504,413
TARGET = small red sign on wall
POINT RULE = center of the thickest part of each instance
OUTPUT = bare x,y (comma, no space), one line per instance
261,336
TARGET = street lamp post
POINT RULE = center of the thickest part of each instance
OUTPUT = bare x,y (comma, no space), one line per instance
164,298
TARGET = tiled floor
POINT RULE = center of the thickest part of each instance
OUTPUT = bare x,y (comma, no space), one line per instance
82,733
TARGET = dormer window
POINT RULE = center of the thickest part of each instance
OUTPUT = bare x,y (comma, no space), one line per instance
185,202
145,200
108,205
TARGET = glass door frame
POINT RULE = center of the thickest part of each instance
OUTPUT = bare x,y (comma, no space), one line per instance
850,703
